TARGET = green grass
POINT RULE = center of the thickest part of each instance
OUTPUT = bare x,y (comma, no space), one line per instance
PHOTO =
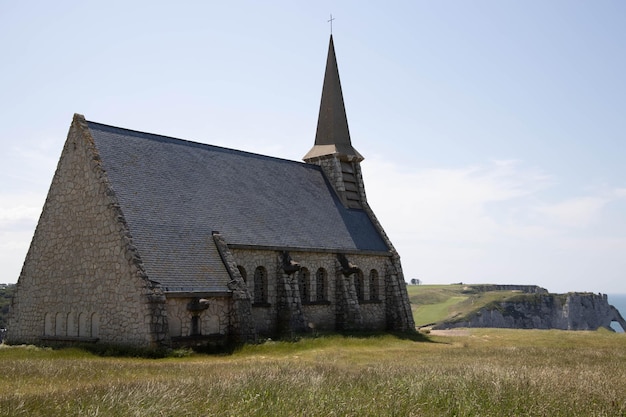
432,313
436,303
486,372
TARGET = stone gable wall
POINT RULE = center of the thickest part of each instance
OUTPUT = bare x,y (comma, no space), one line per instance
82,278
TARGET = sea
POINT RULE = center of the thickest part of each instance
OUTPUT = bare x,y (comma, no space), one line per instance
619,302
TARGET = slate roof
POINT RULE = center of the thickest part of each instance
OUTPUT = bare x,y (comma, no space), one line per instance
174,193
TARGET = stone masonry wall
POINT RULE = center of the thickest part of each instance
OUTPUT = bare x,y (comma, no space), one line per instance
331,165
213,320
398,307
348,309
82,278
399,314
241,327
318,314
263,315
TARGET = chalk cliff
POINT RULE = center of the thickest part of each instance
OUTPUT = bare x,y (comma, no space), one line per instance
571,311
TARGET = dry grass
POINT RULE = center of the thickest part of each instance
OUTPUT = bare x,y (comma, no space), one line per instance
486,372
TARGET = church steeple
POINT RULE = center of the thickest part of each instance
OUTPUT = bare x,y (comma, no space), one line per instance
332,136
333,151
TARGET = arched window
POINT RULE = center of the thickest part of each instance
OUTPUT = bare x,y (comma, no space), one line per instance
320,281
374,285
260,285
84,326
304,283
59,325
95,325
243,272
359,285
49,322
72,326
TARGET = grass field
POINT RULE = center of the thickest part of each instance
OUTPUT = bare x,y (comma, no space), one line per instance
435,303
480,372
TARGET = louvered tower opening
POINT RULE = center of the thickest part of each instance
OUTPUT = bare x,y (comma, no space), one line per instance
353,198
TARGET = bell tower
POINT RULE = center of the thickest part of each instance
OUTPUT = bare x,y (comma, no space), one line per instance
333,150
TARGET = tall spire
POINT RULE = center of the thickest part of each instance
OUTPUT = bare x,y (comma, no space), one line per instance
332,136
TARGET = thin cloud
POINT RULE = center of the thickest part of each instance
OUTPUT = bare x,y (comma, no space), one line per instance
578,212
454,205
490,223
19,211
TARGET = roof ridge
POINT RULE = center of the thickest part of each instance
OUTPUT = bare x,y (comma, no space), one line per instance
156,136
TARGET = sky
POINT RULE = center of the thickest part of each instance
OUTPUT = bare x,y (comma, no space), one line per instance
493,131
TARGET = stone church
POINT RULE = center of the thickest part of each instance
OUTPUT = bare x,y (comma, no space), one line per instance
148,240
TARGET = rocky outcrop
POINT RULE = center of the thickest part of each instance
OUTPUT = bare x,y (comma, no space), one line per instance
571,311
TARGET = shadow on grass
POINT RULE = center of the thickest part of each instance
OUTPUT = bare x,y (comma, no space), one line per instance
412,336
125,351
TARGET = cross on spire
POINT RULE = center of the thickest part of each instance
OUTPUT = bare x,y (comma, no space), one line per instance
331,23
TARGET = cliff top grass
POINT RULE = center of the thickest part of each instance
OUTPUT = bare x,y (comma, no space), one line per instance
487,372
437,303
